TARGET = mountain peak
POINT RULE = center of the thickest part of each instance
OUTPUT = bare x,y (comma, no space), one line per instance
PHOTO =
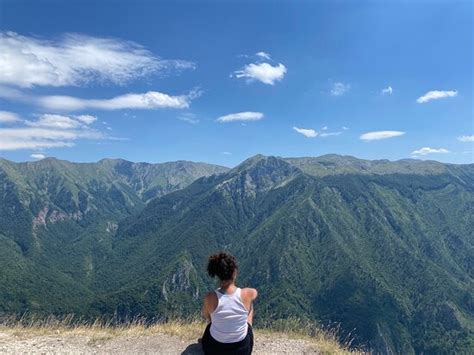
260,160
260,173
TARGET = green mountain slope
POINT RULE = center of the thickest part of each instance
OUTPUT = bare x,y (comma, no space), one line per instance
386,249
57,221
387,254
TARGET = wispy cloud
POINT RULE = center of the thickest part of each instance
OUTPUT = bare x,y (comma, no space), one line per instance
436,95
312,133
378,135
14,142
38,156
241,116
345,128
466,138
263,55
48,131
75,60
329,134
387,91
55,121
307,132
87,119
339,89
226,153
264,72
428,150
146,101
8,117
189,118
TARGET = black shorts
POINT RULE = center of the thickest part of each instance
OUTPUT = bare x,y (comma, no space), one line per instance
213,347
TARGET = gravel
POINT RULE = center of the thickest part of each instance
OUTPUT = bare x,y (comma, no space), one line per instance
11,343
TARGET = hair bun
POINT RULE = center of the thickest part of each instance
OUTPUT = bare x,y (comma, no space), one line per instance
222,265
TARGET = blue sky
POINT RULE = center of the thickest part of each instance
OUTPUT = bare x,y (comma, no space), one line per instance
203,81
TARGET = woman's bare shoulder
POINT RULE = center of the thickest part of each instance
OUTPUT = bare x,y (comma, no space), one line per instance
249,293
210,297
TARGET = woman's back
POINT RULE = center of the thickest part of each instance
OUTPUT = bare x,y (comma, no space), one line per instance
229,319
229,311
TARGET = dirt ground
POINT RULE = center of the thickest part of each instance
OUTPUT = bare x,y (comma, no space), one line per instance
23,343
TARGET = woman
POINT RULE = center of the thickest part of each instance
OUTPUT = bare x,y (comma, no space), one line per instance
228,309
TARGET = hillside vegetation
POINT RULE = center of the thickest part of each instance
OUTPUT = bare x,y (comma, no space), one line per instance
385,249
57,221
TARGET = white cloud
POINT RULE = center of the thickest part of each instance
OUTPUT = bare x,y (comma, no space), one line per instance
146,101
54,121
428,150
17,144
38,156
263,55
226,153
241,116
8,117
466,138
87,119
345,128
307,132
377,135
387,91
329,134
75,60
48,131
189,118
263,72
436,95
339,89
324,128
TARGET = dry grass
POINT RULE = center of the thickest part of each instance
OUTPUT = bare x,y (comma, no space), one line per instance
327,340
99,331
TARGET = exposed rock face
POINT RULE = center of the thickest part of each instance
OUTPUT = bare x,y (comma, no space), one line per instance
111,227
46,215
181,280
40,219
57,216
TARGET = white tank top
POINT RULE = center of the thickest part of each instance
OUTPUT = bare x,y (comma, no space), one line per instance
229,319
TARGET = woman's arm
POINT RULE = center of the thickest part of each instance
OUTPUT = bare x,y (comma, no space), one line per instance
248,296
209,305
205,310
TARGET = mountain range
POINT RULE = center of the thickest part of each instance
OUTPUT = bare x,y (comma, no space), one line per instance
385,249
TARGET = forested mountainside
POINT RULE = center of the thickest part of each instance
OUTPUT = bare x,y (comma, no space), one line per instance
384,248
57,221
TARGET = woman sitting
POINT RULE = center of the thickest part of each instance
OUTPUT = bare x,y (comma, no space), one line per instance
228,309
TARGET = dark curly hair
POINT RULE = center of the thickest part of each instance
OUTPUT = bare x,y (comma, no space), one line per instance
222,265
